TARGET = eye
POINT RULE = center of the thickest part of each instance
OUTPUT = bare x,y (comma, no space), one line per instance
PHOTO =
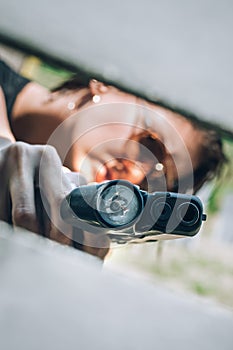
153,148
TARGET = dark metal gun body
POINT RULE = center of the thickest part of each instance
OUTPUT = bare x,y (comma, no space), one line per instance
127,214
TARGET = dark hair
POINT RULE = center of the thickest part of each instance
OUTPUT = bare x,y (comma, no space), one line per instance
211,162
211,153
211,158
76,82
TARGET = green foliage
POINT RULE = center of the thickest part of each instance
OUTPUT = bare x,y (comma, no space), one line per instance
44,73
50,76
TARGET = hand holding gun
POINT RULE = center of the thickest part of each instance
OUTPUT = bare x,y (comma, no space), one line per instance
129,215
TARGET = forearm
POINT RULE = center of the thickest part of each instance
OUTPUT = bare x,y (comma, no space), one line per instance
5,129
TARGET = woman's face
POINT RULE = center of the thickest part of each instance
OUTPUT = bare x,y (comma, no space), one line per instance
124,137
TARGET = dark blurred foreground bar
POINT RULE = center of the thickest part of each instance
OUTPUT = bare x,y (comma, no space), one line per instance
53,297
177,51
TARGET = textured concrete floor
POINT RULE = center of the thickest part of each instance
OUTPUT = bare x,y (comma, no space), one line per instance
53,297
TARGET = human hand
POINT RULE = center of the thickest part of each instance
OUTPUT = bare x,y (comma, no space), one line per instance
33,185
29,185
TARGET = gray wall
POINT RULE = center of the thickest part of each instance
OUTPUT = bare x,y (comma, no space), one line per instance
177,50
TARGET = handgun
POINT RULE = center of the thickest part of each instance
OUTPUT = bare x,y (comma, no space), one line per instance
128,214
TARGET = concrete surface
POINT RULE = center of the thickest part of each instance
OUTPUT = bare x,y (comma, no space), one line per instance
179,51
53,296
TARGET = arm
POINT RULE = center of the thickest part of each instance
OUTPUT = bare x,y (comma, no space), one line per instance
5,130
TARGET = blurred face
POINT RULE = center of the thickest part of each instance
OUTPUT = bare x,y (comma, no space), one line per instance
123,137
